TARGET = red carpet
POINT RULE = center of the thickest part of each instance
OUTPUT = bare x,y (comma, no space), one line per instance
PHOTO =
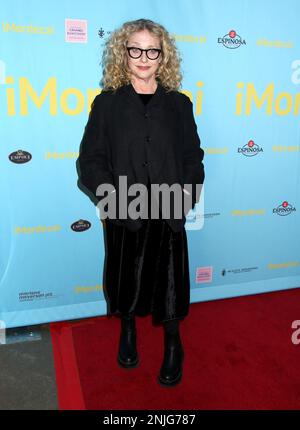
238,355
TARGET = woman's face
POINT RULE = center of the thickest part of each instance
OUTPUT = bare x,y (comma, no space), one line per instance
143,68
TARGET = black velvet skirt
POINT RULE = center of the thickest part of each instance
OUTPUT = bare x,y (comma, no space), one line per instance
147,271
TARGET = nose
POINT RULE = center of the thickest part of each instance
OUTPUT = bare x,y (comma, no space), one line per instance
144,57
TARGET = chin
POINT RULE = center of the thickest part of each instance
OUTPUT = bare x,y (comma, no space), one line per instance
144,75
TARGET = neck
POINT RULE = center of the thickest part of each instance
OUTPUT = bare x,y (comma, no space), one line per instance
144,87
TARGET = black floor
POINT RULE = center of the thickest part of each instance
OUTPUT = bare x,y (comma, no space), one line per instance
27,377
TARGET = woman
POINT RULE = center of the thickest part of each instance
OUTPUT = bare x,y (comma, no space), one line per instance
142,128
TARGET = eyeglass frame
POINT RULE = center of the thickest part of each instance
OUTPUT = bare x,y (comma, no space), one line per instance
142,50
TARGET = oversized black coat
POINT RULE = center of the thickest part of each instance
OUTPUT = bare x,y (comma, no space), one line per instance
159,140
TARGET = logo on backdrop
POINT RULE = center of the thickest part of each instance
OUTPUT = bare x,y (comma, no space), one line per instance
76,30
284,209
102,32
20,156
204,274
231,40
29,29
30,296
250,149
238,270
81,225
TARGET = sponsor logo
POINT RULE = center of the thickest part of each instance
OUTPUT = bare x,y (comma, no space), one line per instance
272,266
30,29
76,30
274,43
238,270
286,148
20,157
81,225
203,274
30,296
231,40
248,212
61,155
37,229
189,38
101,33
284,209
250,149
87,289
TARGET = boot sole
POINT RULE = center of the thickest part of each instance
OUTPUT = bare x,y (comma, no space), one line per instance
167,383
125,365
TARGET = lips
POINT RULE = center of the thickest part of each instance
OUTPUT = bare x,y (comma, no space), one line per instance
143,67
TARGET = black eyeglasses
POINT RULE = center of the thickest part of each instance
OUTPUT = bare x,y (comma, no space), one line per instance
152,53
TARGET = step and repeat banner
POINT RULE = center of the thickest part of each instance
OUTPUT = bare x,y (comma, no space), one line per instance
241,68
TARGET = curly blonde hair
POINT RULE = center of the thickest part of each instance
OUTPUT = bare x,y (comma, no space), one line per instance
114,61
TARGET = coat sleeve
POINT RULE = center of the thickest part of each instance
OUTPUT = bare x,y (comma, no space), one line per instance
93,160
193,154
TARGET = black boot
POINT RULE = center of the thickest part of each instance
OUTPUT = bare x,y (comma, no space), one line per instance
128,356
171,369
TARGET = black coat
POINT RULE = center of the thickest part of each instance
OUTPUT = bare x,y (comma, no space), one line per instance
158,140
